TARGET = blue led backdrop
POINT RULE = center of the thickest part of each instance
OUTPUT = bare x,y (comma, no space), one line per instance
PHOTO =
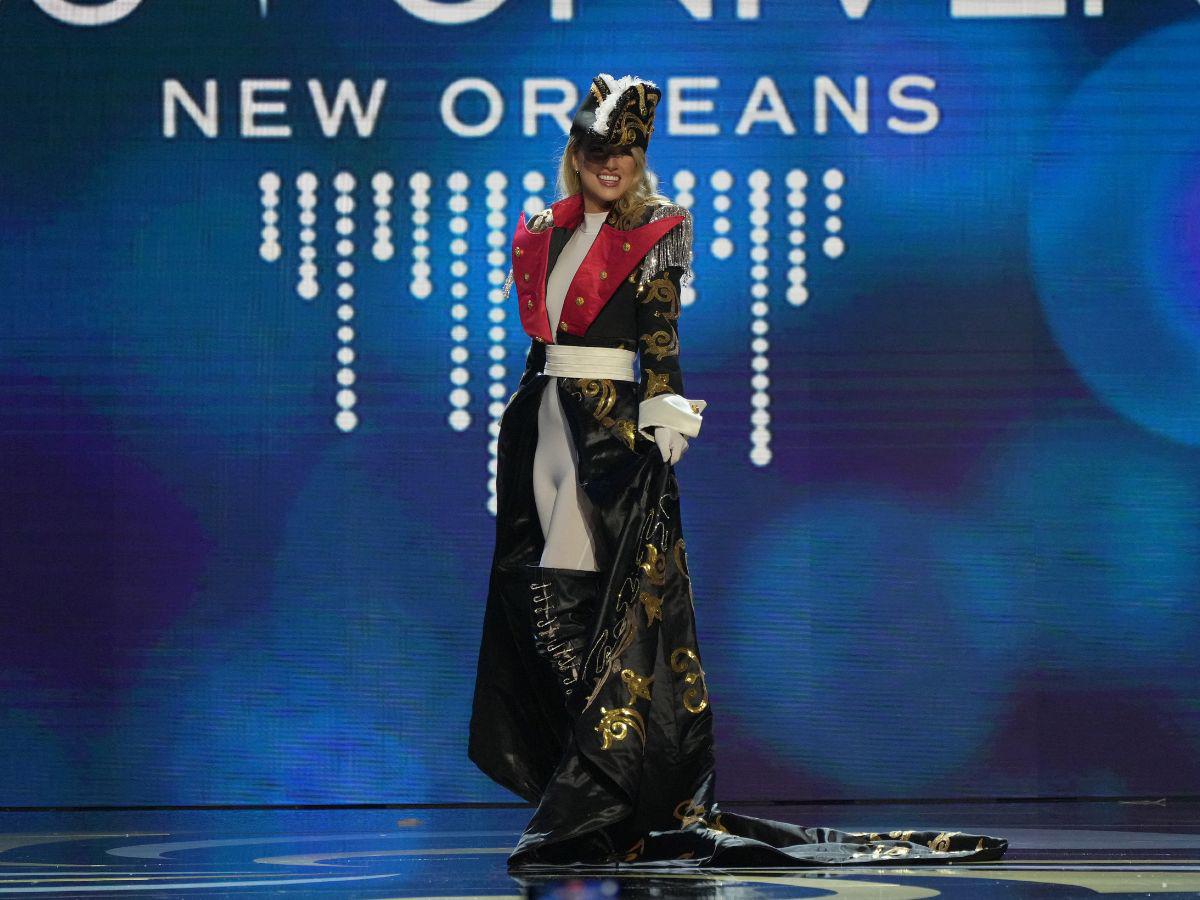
942,517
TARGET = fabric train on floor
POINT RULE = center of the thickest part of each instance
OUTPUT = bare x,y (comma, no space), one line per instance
624,777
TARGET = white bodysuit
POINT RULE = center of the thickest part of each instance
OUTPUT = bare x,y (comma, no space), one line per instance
564,510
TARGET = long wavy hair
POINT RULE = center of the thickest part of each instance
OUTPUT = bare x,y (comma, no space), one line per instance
630,206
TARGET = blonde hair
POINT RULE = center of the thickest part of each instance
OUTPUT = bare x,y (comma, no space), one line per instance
630,208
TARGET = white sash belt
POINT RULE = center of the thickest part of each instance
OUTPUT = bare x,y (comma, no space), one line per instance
572,361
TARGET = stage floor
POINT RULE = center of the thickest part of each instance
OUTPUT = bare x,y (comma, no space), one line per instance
1057,849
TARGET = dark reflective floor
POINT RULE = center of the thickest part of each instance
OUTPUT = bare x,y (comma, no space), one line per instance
1111,848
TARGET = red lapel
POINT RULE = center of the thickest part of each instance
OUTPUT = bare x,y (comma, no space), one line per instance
614,253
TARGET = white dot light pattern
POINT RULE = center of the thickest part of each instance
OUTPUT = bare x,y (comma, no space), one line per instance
306,199
834,245
460,375
268,186
383,249
722,245
346,419
498,261
760,417
500,338
420,286
685,182
797,290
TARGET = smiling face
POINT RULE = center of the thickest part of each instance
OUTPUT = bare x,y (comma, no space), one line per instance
605,172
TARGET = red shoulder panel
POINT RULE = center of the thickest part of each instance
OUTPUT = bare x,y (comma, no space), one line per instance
612,257
530,255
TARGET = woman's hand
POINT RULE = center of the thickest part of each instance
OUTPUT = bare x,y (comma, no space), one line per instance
670,443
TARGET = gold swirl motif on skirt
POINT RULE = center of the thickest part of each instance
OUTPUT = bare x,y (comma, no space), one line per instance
695,699
604,657
605,390
625,429
689,812
652,605
635,850
680,554
942,841
639,685
655,565
615,725
605,393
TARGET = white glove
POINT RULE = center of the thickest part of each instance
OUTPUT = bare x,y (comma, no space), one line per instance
670,443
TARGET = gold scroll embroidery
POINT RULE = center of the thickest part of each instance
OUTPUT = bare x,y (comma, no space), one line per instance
636,850
657,383
652,605
688,812
639,685
695,699
680,554
615,725
606,392
942,841
662,343
654,565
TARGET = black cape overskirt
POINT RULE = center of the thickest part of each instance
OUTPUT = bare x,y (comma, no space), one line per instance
629,781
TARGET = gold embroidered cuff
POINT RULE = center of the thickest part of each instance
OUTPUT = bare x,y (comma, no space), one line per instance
672,411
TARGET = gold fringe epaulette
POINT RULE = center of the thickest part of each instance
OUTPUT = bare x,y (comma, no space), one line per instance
672,249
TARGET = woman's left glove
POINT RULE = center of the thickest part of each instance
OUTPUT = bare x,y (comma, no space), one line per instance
670,443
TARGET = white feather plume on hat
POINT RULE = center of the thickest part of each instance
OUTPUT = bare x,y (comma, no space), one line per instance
616,89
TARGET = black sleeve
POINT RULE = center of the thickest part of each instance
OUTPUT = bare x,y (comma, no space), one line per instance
658,334
535,361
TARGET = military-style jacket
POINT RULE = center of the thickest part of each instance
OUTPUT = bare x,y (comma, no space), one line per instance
624,294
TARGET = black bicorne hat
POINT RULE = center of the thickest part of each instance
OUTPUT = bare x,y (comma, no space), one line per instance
617,111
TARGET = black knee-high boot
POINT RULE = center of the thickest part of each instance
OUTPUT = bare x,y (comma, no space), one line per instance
564,610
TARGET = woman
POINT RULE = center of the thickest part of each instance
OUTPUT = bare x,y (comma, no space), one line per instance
590,698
